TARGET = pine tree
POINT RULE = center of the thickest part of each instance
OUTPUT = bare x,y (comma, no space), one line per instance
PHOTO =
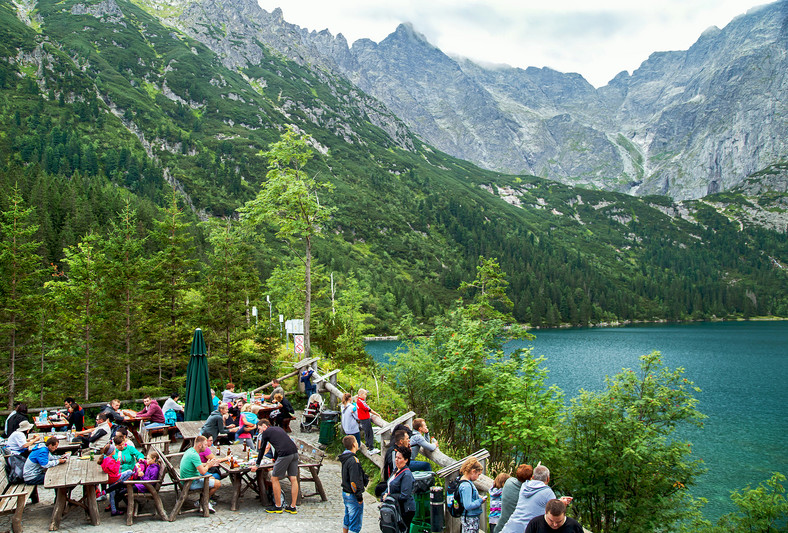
231,280
20,296
78,299
126,267
170,278
289,200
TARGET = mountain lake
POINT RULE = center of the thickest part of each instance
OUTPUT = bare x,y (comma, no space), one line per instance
741,368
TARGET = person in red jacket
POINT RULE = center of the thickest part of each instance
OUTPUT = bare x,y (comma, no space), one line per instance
365,421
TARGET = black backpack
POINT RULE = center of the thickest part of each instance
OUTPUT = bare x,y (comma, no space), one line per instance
390,517
15,469
453,500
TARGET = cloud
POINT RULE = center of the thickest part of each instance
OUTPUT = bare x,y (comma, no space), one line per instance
597,38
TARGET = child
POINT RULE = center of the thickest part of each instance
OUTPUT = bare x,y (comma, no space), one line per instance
247,424
495,497
147,469
111,465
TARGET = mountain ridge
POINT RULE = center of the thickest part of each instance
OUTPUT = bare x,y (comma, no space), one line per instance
685,123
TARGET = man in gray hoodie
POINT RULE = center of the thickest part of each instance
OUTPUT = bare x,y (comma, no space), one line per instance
534,495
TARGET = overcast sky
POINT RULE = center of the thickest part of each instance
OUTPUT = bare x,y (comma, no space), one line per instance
597,38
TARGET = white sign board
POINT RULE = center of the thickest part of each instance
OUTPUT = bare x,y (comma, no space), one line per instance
298,343
294,327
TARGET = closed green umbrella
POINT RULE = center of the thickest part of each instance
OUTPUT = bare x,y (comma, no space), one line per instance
198,386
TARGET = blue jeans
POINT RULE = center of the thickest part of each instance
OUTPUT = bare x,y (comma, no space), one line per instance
154,425
39,479
353,512
200,483
120,489
419,466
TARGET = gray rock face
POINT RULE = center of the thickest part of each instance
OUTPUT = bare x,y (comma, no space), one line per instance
685,123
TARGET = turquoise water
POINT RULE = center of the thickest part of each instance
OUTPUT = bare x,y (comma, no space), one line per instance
741,367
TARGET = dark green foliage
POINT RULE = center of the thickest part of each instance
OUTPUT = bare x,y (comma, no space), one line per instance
120,104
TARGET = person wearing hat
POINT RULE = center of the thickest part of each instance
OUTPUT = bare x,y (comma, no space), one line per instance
39,460
19,443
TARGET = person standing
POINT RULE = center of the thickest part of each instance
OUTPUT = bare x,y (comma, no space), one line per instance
306,379
285,464
365,413
510,494
350,418
471,469
534,495
354,479
554,519
400,487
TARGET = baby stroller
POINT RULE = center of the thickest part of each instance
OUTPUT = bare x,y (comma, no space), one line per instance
310,418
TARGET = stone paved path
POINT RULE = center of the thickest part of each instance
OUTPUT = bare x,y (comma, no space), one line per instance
314,515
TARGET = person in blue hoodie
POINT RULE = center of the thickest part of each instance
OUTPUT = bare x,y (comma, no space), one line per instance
39,460
471,469
534,495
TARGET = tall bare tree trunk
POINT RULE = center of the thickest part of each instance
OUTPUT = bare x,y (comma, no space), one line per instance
308,304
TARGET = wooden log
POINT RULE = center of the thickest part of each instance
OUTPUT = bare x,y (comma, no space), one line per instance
270,383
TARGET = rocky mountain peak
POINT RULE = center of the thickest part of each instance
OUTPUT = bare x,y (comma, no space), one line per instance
685,123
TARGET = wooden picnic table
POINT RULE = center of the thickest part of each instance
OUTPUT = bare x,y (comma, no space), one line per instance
244,479
133,423
189,431
49,424
64,478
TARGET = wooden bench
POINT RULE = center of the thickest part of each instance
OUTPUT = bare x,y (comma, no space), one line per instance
309,458
135,498
183,488
13,497
156,438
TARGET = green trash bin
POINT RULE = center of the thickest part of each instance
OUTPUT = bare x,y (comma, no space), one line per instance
328,421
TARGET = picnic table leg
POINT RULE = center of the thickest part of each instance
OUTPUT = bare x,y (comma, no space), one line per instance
315,470
300,488
261,488
237,480
92,505
60,506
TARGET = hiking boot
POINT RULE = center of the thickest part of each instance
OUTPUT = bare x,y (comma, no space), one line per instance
274,509
291,509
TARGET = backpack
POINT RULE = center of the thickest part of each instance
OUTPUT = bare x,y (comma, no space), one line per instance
453,500
250,418
15,469
170,417
390,517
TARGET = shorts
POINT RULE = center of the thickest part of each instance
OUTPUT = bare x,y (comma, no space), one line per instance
200,483
286,466
353,513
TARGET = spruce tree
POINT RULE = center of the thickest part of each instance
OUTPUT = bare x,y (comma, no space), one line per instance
20,296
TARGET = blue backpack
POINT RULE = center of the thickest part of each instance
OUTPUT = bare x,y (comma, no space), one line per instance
170,417
250,418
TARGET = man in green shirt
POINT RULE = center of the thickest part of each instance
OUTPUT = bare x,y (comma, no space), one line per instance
192,466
